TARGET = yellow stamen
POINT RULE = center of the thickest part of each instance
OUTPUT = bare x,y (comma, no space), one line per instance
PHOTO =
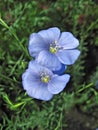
53,49
45,79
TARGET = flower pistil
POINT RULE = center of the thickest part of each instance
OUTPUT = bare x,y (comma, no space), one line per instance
45,78
54,47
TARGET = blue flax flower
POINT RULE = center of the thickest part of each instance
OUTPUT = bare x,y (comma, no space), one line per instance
41,83
54,49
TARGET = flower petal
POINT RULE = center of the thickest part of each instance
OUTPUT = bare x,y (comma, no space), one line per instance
36,44
49,60
68,41
68,57
37,69
58,83
27,77
61,70
34,87
50,35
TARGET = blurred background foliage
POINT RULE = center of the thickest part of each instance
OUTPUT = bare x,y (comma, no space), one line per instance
20,18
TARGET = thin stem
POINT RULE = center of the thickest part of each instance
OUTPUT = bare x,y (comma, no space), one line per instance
14,34
9,79
82,89
59,122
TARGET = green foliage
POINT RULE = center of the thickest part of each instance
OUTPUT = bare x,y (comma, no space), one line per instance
18,19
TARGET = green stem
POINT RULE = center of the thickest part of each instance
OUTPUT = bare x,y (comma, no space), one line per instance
9,79
82,89
12,105
14,34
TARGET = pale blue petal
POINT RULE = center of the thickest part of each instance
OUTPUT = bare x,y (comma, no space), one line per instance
34,87
68,41
68,57
49,60
50,35
58,83
29,78
36,44
37,69
61,70
40,92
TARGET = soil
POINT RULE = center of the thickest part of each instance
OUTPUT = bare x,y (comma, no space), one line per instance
77,120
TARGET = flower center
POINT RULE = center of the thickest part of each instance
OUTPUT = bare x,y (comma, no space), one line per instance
53,47
45,78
